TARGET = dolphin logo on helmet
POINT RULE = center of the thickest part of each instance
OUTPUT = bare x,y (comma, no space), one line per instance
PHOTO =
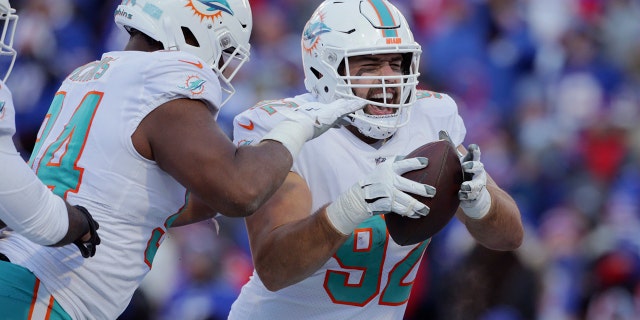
221,5
211,9
311,34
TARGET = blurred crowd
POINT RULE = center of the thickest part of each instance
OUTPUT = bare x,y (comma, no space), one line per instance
549,89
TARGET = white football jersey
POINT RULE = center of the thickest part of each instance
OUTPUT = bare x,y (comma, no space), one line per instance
370,276
84,153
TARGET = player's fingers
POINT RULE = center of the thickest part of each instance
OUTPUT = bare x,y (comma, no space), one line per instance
381,206
469,190
346,106
410,186
405,165
375,191
408,206
398,158
473,167
474,152
444,135
465,192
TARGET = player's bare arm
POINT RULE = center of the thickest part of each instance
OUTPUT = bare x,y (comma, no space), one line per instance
285,221
232,181
501,228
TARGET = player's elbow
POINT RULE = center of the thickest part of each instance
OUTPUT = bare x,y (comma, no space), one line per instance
511,241
274,273
516,240
271,280
272,286
242,202
241,208
230,204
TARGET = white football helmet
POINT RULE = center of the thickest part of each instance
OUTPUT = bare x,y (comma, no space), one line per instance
340,29
9,19
221,27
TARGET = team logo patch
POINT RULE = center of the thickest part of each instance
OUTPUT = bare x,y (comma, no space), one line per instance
209,9
194,84
380,160
312,32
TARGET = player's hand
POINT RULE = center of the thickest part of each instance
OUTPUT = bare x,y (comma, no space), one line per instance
309,121
475,199
89,241
383,191
323,116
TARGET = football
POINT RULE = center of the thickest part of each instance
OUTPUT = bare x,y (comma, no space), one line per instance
444,172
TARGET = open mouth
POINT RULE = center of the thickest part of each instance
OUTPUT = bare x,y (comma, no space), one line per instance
382,99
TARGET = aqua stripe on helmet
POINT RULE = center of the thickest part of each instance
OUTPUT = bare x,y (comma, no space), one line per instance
386,18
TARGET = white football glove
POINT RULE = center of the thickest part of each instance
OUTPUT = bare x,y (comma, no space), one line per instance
382,191
475,199
310,120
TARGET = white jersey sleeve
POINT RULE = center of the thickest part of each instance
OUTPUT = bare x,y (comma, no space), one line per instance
26,205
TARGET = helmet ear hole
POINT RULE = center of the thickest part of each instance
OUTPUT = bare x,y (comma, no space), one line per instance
189,37
316,73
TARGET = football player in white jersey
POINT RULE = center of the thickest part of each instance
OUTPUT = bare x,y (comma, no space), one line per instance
26,205
337,261
133,138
